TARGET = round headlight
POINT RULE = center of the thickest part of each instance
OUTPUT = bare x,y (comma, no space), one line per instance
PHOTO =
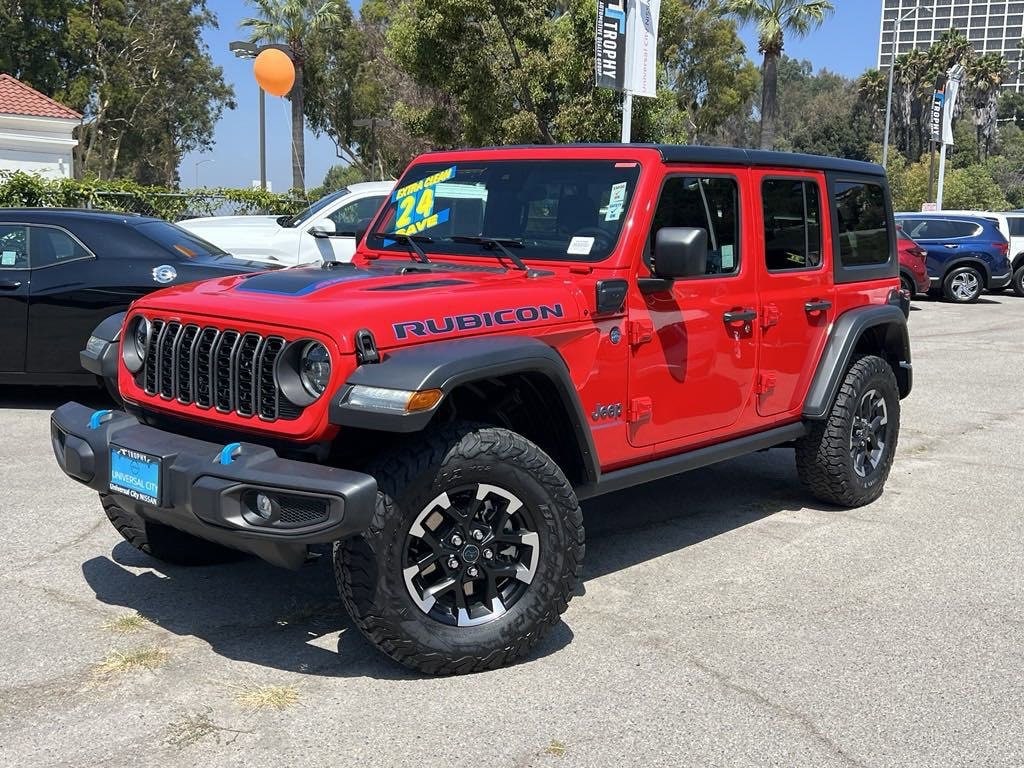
136,343
315,368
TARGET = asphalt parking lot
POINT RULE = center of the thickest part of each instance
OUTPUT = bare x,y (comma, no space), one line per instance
725,619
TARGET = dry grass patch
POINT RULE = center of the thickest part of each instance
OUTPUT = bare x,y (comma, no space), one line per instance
119,662
193,728
127,624
259,697
556,748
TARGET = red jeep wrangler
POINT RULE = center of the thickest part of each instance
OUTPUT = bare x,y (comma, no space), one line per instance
522,328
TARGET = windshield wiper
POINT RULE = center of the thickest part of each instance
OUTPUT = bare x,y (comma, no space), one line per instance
411,241
495,242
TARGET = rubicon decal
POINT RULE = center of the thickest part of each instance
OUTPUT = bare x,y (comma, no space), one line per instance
449,323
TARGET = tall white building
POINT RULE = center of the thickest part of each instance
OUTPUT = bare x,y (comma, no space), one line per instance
991,26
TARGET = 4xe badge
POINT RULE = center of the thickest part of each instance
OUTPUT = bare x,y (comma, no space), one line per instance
601,412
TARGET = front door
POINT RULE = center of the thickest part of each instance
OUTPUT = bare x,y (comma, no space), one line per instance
796,286
694,345
14,292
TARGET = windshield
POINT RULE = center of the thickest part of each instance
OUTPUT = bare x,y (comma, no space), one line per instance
569,210
180,241
310,213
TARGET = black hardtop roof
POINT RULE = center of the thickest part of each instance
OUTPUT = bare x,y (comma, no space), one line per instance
44,215
701,154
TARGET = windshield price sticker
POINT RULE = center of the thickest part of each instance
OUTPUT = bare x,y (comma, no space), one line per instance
416,204
9,258
580,246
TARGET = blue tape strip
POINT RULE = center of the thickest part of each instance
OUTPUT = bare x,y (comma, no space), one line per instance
227,454
98,417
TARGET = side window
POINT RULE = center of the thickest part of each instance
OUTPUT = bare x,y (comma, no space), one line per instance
49,246
710,203
963,229
1016,226
13,246
792,224
863,229
356,213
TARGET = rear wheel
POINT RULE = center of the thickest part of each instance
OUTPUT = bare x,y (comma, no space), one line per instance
963,285
473,552
163,542
908,286
845,459
1017,283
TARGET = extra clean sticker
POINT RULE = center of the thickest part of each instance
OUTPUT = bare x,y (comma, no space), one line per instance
580,246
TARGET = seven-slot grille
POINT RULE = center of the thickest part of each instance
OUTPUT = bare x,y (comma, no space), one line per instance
227,370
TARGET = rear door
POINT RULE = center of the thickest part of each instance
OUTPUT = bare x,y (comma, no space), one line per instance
14,292
936,236
796,286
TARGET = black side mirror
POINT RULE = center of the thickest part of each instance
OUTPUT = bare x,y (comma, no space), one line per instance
680,252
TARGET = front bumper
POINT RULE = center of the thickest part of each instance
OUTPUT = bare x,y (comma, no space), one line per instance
202,496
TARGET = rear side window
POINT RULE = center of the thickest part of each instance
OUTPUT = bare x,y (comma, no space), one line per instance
965,228
704,202
178,241
49,246
1016,226
792,224
863,226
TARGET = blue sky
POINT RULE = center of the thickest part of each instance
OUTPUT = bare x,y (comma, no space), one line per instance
847,44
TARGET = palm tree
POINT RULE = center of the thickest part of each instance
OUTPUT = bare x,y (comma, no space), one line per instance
984,77
294,22
775,19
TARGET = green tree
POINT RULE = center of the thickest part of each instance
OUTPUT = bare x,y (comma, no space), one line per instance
774,20
148,88
299,24
34,45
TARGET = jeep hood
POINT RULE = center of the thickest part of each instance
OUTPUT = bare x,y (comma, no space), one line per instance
399,309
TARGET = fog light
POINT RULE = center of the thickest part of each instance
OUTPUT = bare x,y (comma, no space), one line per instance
264,506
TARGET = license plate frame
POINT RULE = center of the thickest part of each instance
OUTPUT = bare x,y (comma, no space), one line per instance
135,474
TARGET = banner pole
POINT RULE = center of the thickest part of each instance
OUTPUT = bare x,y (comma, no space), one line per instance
627,115
942,176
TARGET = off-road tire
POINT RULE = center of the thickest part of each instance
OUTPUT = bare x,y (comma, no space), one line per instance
368,568
824,457
163,542
1017,281
969,273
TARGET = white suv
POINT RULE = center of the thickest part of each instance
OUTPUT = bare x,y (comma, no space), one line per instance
322,232
1011,224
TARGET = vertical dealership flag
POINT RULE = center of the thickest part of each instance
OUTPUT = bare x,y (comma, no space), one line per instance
642,47
610,45
935,119
952,91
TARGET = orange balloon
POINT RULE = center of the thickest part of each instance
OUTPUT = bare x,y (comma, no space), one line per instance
274,71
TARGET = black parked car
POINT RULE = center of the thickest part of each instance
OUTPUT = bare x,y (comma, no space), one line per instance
63,271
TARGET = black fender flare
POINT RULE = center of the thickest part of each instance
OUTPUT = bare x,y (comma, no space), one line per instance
446,365
842,341
102,360
967,261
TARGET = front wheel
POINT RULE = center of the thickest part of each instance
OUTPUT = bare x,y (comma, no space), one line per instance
963,285
845,459
472,555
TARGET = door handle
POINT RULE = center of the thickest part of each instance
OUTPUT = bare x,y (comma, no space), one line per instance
10,285
950,246
740,316
817,305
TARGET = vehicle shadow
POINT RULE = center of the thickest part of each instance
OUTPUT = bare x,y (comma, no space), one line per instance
48,398
251,611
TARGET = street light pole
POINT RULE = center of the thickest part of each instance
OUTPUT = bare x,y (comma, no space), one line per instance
892,68
247,50
197,164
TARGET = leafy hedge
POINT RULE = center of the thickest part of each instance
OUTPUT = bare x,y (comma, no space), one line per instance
20,189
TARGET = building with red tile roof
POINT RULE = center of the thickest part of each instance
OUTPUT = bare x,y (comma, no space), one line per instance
35,131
